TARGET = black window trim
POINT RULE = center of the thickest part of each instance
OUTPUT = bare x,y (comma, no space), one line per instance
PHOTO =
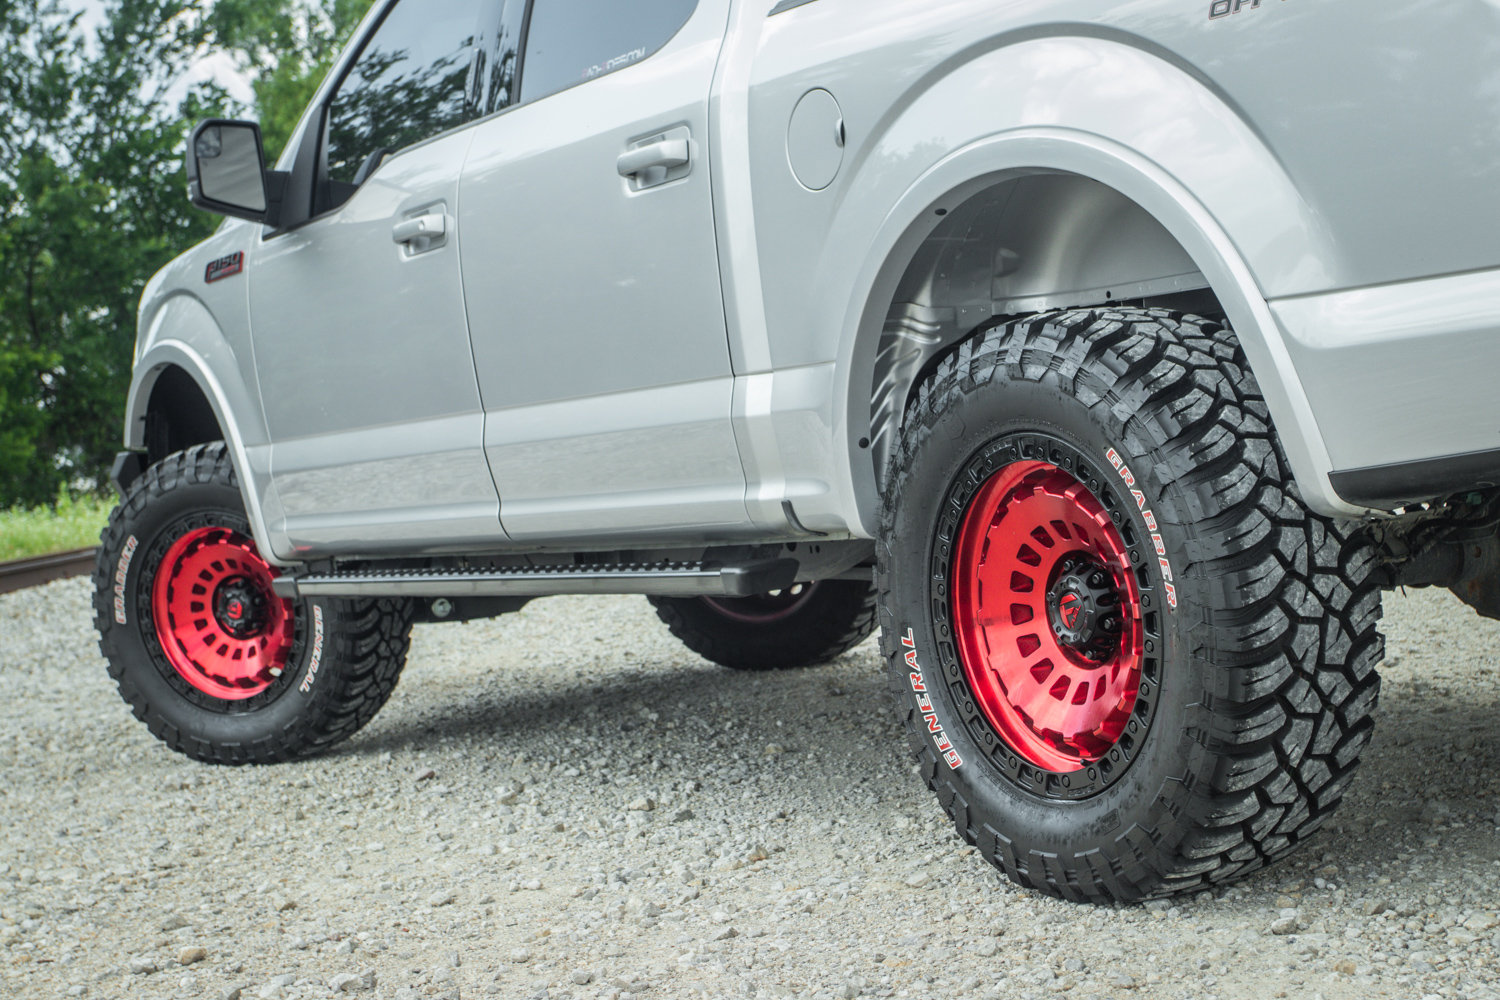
319,136
526,37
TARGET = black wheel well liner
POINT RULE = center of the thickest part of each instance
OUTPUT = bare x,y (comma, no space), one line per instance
178,415
1020,245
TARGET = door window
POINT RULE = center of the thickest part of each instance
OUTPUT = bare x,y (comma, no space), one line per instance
505,64
408,84
572,41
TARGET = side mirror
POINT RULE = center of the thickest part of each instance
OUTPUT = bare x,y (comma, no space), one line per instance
227,172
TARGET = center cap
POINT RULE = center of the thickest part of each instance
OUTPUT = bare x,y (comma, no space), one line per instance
1085,608
239,607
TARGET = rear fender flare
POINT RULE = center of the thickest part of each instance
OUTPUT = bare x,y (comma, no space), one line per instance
996,158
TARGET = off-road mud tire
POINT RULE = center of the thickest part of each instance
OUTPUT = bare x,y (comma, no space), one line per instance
838,616
1266,676
363,642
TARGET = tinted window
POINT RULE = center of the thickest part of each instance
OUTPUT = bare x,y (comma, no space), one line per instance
407,85
570,41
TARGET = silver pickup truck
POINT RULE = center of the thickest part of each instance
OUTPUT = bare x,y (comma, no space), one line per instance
1110,356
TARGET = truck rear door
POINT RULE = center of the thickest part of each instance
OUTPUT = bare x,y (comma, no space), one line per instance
592,281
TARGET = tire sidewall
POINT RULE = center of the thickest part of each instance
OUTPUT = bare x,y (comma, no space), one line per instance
148,519
978,420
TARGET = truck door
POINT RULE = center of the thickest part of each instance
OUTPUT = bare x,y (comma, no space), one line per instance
358,319
592,280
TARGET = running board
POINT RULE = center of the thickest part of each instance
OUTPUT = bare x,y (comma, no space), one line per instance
667,579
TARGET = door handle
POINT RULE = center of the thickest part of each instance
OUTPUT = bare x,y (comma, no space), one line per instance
666,153
423,227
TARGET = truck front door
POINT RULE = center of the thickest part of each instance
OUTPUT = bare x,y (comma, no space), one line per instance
358,322
592,279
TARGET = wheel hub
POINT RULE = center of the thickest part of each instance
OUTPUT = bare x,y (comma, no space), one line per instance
240,607
1083,606
1047,615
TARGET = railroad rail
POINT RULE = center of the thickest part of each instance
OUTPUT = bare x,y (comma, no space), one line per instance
19,574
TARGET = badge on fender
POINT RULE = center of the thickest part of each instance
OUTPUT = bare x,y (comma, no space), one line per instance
223,267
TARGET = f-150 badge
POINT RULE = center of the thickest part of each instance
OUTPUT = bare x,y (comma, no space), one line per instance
225,266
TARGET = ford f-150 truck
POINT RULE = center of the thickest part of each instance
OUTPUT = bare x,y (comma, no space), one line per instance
1111,357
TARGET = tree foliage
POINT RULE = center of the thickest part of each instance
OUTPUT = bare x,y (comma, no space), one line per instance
92,196
287,47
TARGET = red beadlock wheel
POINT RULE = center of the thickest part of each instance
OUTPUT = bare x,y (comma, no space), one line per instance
1047,615
218,621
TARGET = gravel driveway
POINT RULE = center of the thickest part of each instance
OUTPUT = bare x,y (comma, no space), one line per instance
565,802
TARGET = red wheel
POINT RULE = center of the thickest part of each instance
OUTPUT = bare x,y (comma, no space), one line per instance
217,619
1047,614
762,609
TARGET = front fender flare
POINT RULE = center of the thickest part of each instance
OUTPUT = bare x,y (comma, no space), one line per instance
184,334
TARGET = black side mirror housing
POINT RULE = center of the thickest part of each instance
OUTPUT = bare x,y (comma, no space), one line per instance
227,172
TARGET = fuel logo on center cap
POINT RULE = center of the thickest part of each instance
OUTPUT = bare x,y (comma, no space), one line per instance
1070,605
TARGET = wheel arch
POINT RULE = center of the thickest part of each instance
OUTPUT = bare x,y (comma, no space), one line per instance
186,386
1224,204
1030,242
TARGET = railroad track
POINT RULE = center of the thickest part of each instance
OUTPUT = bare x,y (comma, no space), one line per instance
21,573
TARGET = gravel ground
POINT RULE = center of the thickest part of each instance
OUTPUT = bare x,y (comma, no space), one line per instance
565,802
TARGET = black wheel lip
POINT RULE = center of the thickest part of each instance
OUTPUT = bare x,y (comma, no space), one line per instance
1090,779
145,620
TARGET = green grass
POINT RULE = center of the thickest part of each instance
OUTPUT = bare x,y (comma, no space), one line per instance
72,524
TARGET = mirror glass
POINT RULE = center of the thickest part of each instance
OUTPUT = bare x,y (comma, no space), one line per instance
229,168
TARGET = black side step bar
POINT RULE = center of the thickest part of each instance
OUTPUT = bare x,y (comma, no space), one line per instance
712,579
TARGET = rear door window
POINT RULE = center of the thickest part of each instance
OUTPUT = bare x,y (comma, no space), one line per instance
569,42
408,84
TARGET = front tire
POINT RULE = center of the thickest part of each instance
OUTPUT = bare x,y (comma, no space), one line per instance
1129,660
804,624
218,667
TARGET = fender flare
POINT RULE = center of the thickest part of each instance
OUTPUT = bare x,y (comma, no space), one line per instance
201,360
994,158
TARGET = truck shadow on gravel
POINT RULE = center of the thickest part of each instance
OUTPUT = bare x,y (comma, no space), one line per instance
1424,797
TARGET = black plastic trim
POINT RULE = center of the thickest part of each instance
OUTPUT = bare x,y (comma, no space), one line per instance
1390,486
127,469
786,5
712,578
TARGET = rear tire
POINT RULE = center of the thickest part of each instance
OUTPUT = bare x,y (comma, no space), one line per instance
805,624
216,665
1253,622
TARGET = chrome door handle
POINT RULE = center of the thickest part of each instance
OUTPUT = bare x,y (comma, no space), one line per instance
422,227
667,153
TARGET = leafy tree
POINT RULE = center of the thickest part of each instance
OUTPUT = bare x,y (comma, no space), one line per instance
287,47
91,204
92,196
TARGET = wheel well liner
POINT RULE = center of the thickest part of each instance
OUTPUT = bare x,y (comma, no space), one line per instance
1026,244
178,415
